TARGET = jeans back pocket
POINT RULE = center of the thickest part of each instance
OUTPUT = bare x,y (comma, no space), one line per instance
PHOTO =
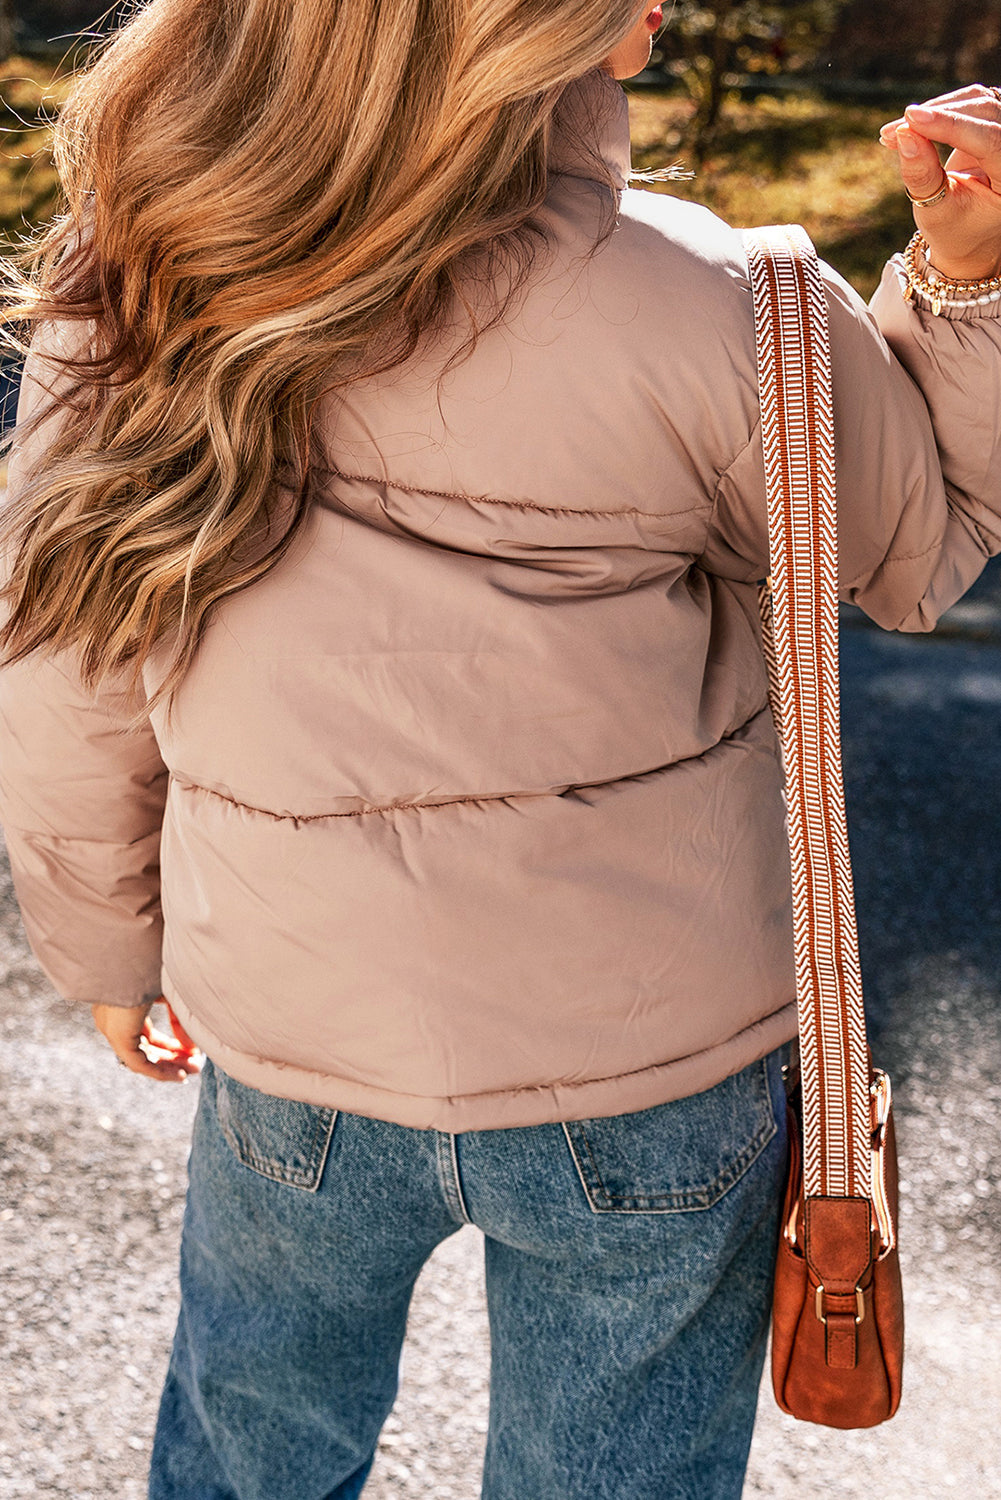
283,1139
677,1157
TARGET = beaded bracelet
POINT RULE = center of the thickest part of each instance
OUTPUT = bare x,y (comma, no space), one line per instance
943,291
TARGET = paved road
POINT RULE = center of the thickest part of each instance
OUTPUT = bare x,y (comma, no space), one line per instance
92,1158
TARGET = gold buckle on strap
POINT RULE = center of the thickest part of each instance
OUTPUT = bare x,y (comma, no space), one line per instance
859,1306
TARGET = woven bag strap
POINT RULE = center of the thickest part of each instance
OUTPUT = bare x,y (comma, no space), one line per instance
794,379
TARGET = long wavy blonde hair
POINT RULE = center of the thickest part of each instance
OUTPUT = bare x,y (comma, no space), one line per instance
266,198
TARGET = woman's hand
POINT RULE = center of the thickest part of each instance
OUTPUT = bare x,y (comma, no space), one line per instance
141,1048
963,230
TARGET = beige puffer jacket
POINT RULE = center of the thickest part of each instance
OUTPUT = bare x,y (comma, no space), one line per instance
471,814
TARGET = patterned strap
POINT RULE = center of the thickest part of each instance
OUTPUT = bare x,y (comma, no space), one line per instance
794,378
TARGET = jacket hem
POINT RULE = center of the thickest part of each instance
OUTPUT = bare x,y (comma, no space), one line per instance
505,1108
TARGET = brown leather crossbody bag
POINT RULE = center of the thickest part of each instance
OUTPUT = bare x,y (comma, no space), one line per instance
838,1323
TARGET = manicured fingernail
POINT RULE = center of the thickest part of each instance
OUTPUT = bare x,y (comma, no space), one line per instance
919,113
907,145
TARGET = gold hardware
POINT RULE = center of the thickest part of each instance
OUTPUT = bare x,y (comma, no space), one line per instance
881,1096
859,1306
790,1229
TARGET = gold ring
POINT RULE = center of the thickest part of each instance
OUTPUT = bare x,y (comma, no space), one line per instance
935,197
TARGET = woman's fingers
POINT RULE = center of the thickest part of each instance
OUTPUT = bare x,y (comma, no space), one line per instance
976,136
961,161
920,169
958,206
164,1046
975,101
182,1036
138,1046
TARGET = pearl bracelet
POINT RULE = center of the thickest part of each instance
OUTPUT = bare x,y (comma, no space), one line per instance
943,291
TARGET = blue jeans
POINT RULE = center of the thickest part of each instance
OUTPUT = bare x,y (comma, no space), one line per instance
628,1272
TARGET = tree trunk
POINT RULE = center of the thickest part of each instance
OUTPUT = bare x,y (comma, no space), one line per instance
718,58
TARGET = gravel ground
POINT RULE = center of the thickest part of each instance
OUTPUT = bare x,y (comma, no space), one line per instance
92,1164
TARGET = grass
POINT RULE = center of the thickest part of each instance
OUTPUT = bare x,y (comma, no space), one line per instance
791,159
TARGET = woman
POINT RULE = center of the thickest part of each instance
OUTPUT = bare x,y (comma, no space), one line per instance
384,521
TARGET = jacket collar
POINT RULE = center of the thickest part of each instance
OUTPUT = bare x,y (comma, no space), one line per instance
591,130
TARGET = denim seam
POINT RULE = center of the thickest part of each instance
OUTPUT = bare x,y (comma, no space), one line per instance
460,1195
580,1172
684,1200
448,1176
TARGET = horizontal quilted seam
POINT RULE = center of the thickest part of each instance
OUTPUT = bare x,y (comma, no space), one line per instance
533,505
185,784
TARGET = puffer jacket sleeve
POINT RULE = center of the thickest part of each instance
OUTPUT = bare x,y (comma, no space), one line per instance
917,410
82,794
